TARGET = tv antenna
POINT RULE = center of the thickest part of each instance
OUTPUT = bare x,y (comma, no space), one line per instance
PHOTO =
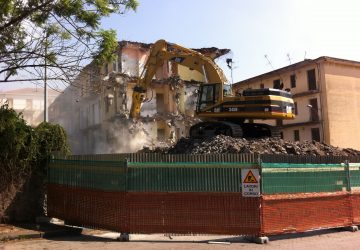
289,58
268,60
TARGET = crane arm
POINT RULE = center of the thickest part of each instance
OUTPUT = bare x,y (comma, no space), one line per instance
163,51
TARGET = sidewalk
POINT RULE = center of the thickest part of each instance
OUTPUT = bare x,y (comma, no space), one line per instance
35,230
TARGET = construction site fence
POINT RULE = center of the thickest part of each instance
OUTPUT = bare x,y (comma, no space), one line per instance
202,194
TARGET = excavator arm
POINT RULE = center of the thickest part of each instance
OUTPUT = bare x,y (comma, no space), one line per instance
162,51
222,114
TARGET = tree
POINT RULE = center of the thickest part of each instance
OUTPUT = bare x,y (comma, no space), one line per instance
58,35
24,153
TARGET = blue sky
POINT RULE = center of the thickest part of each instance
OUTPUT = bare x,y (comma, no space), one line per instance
251,29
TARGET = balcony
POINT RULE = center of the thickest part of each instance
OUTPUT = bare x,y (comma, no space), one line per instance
306,93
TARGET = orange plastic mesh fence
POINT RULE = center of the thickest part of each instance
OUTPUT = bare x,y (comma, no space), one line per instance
87,207
307,211
212,213
355,207
183,212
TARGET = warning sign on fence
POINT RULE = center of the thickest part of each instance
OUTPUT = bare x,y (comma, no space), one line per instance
250,182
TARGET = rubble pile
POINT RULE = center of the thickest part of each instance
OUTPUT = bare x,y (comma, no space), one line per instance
225,144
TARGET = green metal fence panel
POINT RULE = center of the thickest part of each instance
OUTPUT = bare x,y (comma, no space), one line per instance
192,173
102,175
354,169
185,177
148,176
303,178
307,159
157,157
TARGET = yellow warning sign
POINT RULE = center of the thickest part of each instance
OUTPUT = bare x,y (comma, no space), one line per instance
250,178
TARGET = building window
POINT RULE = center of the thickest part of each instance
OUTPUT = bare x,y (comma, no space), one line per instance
10,102
38,104
94,74
296,135
293,81
107,104
19,104
119,63
276,84
314,114
161,134
262,86
178,133
295,108
311,79
114,65
28,104
160,104
92,77
315,134
106,69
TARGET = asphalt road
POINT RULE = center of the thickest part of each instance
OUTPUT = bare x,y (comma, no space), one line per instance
321,240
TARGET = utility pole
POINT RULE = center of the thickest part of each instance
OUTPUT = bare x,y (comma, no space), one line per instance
45,79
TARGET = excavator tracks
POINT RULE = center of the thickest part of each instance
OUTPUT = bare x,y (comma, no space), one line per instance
211,129
244,130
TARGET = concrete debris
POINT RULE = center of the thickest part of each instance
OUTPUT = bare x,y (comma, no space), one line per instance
213,52
134,43
224,144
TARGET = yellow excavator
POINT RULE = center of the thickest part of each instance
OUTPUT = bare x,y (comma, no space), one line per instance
220,110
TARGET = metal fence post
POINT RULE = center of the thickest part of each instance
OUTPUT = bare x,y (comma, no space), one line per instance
348,177
261,174
261,207
126,174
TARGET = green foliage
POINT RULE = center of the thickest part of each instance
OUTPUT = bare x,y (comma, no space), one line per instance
66,24
50,138
17,150
107,46
24,149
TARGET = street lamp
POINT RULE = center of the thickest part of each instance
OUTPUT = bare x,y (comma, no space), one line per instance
229,63
46,118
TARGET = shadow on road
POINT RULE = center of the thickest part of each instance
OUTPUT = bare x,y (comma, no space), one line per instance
81,238
196,239
306,234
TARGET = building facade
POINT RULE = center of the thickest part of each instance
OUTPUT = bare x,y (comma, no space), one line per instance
29,102
94,109
326,93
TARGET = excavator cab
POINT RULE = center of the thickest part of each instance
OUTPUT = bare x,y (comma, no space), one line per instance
208,96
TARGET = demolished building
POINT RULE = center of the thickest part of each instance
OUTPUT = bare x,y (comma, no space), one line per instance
94,109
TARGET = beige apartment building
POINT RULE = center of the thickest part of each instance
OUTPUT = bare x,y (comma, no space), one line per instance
94,109
326,93
29,102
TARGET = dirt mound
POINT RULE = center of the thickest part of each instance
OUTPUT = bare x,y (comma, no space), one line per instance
225,144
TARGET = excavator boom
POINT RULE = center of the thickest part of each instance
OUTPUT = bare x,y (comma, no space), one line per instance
162,51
